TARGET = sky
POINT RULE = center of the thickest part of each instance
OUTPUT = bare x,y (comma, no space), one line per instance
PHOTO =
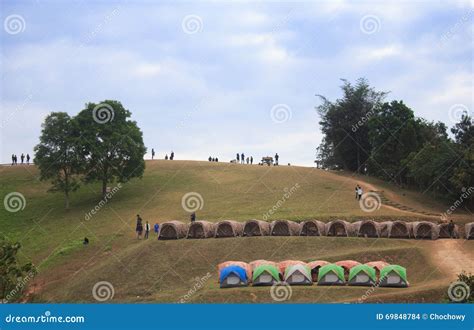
215,78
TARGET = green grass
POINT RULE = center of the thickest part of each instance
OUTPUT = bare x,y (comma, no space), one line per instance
52,236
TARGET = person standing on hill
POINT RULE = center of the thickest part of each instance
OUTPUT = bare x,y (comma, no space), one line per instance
16,160
156,228
166,157
238,158
13,159
28,159
172,155
359,192
242,158
276,159
152,153
251,160
451,229
139,227
193,217
147,230
22,157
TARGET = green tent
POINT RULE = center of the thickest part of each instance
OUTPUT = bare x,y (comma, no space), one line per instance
362,275
265,275
393,275
331,274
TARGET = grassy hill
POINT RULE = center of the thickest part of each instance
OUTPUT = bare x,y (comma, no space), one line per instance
164,271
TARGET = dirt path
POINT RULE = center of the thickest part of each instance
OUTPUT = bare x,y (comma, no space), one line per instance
452,256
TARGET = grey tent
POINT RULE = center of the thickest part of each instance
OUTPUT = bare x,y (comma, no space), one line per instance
313,228
396,229
173,230
339,228
469,229
425,230
285,228
299,274
257,228
444,231
366,228
229,228
201,229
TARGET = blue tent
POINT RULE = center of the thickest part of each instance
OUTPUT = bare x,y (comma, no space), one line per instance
233,276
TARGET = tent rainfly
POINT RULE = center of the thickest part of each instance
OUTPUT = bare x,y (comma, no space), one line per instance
444,232
313,228
425,230
265,275
315,266
469,229
298,275
362,275
229,228
233,276
366,228
393,276
338,228
285,228
202,229
173,230
257,228
241,264
331,274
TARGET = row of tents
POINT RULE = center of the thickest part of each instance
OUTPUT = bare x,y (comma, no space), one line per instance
294,272
365,228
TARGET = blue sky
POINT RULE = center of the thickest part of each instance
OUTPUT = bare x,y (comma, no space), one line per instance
216,78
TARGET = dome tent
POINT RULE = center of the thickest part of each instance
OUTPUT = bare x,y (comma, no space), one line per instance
444,231
338,228
285,228
331,275
256,228
362,275
233,276
265,275
201,229
315,266
347,265
313,228
241,264
299,274
425,230
366,228
173,230
229,228
377,266
393,276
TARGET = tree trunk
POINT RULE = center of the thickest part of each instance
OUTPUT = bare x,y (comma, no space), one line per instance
104,188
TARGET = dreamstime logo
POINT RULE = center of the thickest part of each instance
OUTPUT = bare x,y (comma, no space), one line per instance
465,193
103,291
192,202
457,111
370,202
287,194
14,202
369,24
192,24
459,291
103,113
280,113
199,283
14,24
281,291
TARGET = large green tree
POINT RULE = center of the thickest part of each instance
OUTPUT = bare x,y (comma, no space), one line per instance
112,145
57,154
344,125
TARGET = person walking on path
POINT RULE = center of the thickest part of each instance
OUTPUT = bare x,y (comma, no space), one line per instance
152,153
156,228
28,159
193,217
360,192
147,230
276,159
139,227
